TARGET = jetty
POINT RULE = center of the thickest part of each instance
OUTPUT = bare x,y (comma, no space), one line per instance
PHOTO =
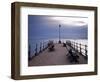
60,55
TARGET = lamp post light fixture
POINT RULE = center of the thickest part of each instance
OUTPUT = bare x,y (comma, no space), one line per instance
59,34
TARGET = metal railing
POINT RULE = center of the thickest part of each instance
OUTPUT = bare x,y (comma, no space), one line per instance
78,47
39,47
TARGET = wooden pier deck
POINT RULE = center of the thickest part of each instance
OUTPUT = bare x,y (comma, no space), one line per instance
57,57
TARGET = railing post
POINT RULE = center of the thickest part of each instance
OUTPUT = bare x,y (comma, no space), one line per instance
77,47
47,44
80,49
40,46
71,44
74,45
36,50
86,51
43,46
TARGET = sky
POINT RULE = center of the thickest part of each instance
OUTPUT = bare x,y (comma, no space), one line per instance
47,27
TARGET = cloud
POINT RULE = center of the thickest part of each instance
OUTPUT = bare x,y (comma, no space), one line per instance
71,21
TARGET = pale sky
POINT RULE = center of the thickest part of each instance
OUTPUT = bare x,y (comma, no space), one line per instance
48,27
72,21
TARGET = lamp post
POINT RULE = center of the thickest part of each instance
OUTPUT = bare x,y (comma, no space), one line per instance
59,34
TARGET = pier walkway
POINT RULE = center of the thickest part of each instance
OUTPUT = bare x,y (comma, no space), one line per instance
57,57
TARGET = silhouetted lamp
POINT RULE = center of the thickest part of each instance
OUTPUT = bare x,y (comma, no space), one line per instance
59,34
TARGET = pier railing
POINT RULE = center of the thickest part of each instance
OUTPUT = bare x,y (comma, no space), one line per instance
39,47
78,47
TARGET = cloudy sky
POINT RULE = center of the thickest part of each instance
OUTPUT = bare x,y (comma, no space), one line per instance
46,27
